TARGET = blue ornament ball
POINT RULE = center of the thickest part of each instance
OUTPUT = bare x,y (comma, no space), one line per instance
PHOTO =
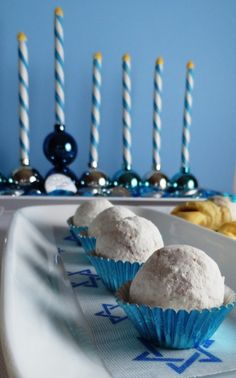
59,147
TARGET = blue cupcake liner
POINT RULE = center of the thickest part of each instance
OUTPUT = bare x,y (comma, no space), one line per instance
114,273
80,234
175,329
87,242
73,230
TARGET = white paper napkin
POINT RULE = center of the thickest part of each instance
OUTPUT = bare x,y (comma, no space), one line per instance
122,351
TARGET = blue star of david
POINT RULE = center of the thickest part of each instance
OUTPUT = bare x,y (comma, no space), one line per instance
107,313
91,280
152,354
69,238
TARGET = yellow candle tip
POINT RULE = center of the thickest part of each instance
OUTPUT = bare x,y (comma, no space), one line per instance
59,12
160,60
98,56
190,64
21,37
127,58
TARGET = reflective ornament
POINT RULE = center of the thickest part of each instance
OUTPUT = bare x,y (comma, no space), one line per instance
27,180
3,182
183,184
128,179
156,180
7,188
93,182
60,149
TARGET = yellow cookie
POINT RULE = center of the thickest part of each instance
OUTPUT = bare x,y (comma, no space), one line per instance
204,213
229,229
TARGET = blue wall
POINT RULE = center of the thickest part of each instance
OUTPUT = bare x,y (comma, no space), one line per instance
204,31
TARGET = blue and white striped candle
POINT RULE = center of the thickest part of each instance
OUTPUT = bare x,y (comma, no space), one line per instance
187,120
127,156
96,106
59,67
157,108
23,71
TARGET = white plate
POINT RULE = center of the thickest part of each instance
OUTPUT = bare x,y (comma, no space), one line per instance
13,203
44,332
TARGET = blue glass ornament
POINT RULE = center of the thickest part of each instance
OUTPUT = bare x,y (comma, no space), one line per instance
93,182
26,180
128,179
183,184
60,148
154,183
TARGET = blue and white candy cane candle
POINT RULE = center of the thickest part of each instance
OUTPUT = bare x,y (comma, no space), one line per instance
157,109
156,180
127,141
94,181
184,183
187,118
126,178
59,147
23,75
59,67
24,180
95,114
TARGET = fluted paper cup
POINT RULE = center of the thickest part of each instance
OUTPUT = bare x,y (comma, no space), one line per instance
114,273
80,234
176,329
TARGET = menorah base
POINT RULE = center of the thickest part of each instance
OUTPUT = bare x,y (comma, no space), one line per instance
28,180
93,182
128,179
156,180
183,183
6,188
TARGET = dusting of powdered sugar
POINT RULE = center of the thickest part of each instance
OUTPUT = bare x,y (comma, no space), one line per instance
129,239
178,277
88,210
106,218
